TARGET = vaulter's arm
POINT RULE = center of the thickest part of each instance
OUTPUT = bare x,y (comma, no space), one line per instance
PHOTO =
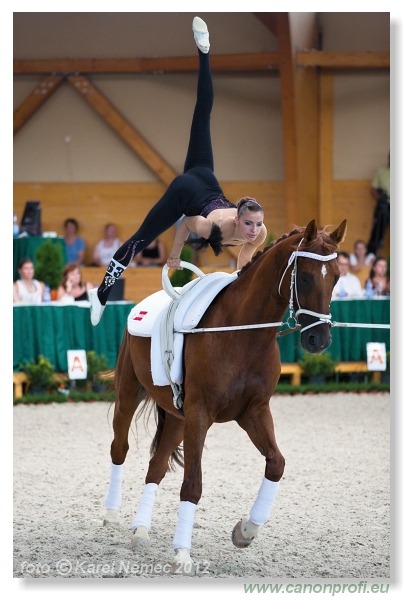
199,225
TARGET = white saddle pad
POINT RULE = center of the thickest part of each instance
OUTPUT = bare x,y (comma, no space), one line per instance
145,320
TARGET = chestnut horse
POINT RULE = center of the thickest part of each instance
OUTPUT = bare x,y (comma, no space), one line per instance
228,375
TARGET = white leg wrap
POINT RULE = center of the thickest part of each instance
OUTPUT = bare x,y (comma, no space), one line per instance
261,508
184,525
145,509
113,498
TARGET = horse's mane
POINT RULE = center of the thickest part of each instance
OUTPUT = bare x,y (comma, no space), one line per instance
323,237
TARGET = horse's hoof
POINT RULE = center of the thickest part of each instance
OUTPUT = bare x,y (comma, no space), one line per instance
111,517
140,539
244,533
182,564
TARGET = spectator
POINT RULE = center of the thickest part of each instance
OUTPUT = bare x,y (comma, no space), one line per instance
75,245
73,288
380,191
361,261
152,256
379,278
27,290
106,248
348,285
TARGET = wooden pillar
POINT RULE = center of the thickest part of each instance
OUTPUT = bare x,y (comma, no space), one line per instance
300,113
326,148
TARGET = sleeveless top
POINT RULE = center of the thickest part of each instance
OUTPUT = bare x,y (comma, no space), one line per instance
27,297
151,252
106,253
84,296
219,202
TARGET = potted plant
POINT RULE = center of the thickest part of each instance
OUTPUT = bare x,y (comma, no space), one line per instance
40,375
49,264
96,363
317,367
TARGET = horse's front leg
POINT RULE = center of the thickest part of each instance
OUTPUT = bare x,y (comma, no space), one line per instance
168,437
258,424
197,424
129,394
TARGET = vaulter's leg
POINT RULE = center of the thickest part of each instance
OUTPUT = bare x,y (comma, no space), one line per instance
171,206
200,152
258,424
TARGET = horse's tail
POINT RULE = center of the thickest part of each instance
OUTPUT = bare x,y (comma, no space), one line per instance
177,455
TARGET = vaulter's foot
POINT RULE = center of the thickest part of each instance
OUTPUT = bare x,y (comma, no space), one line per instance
201,35
96,307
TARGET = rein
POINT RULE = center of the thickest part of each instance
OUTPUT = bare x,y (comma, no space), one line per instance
322,318
292,321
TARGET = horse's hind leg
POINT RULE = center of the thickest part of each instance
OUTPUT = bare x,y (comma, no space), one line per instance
129,394
168,437
258,424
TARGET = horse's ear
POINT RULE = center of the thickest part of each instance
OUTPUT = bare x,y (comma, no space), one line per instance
339,234
311,232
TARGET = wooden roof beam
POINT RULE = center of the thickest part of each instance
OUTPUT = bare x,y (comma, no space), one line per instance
343,60
123,128
257,61
269,20
35,100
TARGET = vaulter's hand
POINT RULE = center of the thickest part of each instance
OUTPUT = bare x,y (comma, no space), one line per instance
174,263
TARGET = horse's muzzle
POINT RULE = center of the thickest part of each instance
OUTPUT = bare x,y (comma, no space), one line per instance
316,339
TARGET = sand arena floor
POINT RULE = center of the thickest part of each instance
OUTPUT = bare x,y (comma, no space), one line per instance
331,518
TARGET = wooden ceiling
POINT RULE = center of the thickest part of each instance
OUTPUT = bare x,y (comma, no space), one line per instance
287,61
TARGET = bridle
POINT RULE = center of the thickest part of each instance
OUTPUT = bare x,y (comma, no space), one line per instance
321,318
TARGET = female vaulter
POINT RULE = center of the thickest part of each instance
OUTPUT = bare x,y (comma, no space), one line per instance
196,194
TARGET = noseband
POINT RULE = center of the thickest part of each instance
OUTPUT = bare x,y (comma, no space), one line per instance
322,318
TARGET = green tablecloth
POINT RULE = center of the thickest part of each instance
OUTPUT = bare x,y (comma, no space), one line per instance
26,247
52,329
348,343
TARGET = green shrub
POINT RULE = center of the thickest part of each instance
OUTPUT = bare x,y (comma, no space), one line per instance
40,373
95,364
49,264
317,364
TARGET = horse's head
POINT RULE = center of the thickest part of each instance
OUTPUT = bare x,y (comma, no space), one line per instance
314,275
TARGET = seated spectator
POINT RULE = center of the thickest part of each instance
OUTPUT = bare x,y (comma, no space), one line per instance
26,289
152,256
360,257
361,261
73,287
106,248
379,278
75,245
348,285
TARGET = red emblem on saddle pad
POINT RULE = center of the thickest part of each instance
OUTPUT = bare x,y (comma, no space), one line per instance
140,316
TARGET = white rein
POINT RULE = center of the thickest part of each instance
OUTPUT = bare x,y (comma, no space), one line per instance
322,318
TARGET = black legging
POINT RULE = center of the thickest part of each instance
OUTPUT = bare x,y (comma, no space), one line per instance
187,195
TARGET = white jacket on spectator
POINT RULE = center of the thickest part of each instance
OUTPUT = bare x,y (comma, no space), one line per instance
348,286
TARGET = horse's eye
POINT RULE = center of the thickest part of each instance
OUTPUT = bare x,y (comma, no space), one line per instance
306,278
